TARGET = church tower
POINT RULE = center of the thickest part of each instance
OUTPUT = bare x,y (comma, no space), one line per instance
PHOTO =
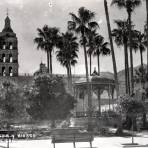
8,50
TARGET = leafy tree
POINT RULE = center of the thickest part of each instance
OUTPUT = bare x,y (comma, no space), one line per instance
48,99
46,41
131,107
12,103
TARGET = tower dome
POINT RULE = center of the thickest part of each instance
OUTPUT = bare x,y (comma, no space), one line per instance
7,26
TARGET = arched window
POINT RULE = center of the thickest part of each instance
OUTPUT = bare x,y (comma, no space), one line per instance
4,46
10,58
3,71
10,46
10,71
3,58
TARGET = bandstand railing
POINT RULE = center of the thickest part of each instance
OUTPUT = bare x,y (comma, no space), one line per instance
94,114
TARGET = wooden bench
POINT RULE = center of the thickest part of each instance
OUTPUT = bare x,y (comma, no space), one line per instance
71,135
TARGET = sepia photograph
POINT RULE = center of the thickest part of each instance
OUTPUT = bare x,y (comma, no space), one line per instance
73,73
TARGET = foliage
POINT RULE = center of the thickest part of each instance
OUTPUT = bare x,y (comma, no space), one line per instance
48,99
130,105
46,41
67,55
12,103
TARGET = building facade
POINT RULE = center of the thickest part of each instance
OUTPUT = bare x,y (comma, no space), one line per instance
8,51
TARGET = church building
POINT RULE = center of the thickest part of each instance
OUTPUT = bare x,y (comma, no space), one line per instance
8,51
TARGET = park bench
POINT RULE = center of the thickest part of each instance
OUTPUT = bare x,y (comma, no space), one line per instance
71,135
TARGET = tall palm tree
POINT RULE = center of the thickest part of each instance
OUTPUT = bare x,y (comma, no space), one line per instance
120,35
46,41
112,47
147,31
67,53
129,5
80,24
141,45
101,48
91,47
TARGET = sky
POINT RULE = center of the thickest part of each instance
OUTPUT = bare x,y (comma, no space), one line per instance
28,15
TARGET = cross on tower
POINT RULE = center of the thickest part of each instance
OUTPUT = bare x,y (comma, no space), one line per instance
7,12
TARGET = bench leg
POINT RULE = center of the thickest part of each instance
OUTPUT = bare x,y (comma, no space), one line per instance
90,144
74,144
53,145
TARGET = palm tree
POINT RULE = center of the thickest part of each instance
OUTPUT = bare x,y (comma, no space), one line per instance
147,31
120,35
112,47
101,48
91,47
141,45
80,24
67,53
46,41
129,5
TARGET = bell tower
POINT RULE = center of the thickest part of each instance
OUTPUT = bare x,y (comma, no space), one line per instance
8,50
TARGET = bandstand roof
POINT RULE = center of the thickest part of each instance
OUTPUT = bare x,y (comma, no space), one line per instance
103,78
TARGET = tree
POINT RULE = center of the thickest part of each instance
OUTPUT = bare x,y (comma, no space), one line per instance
48,99
112,47
12,103
101,48
131,107
67,53
80,24
147,31
120,35
91,47
141,45
46,41
129,5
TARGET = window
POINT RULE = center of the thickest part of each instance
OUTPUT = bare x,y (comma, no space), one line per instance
10,58
3,58
3,71
10,71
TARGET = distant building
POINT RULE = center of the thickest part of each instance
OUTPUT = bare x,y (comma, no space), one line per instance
42,69
8,51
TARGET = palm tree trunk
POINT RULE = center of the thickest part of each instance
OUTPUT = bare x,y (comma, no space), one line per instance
90,63
125,64
99,101
131,54
88,87
112,47
70,77
128,77
141,57
147,30
48,61
127,69
98,60
50,54
67,68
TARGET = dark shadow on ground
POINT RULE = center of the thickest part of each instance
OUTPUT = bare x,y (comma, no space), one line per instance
127,145
3,146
